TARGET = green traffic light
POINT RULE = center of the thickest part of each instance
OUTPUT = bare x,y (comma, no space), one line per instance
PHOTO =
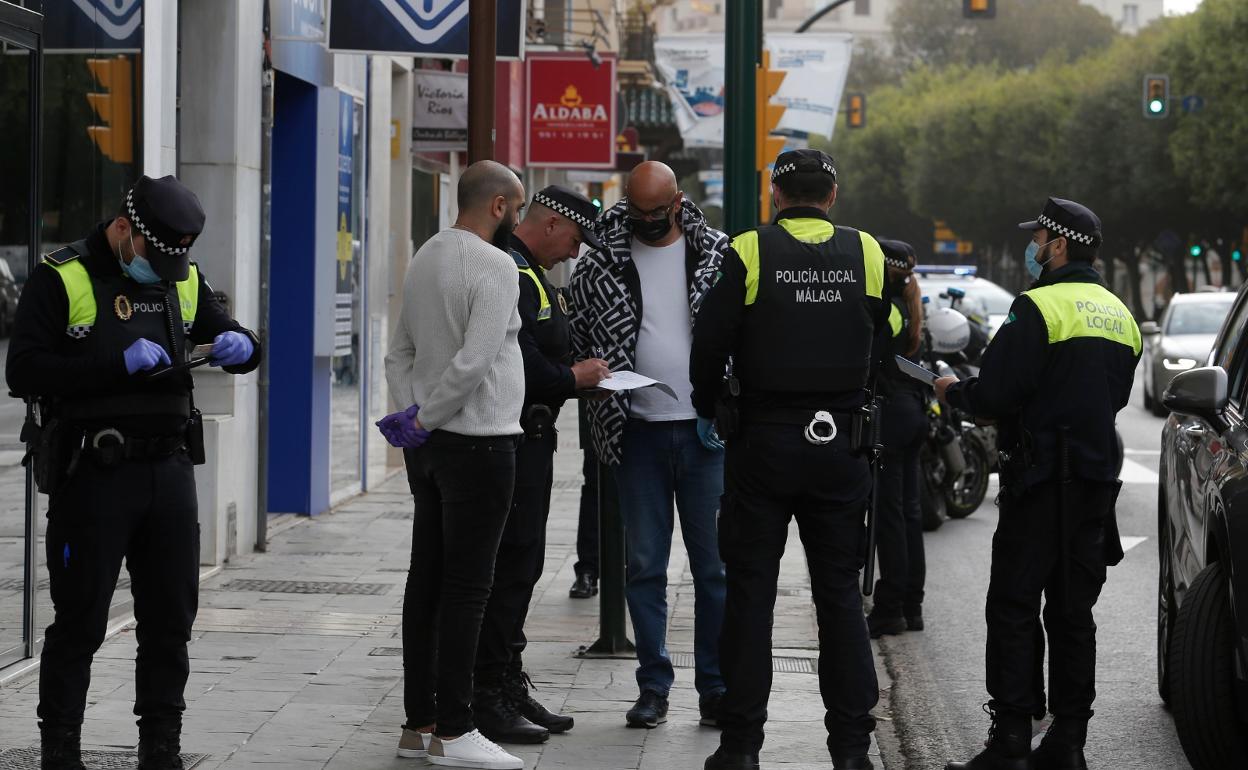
1237,255
597,203
1156,106
1197,250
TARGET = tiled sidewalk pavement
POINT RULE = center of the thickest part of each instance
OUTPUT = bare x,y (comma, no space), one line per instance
290,680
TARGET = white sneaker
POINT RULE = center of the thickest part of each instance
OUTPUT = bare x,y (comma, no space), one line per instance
414,744
472,750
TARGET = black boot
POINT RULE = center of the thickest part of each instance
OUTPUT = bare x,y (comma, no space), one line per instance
1008,747
498,719
59,747
586,586
879,625
854,763
726,760
516,687
1062,746
160,746
914,617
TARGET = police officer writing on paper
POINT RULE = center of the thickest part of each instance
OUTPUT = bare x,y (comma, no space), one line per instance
98,327
796,309
555,225
1054,377
898,604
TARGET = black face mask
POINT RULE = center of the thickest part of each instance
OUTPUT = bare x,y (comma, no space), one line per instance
502,236
651,230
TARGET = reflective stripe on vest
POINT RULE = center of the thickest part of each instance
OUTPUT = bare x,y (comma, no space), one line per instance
543,307
808,230
894,320
81,296
1074,310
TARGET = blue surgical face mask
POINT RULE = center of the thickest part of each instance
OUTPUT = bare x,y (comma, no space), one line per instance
139,270
1034,268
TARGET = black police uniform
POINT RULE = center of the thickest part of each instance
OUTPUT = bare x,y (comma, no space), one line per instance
546,346
1055,376
125,445
796,309
898,597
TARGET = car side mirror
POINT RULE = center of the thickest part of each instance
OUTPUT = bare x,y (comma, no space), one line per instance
1150,328
1201,392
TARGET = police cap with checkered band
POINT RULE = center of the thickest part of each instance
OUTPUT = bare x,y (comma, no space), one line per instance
574,206
1063,218
169,217
804,160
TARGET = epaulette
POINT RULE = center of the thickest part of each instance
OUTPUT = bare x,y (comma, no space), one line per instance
521,262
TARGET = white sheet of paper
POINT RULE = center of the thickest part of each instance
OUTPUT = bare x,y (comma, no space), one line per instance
632,381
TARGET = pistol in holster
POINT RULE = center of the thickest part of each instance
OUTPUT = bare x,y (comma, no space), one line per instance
728,408
53,448
538,421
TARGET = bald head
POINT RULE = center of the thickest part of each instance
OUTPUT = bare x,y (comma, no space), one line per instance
485,181
651,181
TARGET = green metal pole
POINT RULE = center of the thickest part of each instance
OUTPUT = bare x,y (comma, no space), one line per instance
742,52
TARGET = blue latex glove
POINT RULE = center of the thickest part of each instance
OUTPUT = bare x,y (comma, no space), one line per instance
400,429
231,349
707,435
143,354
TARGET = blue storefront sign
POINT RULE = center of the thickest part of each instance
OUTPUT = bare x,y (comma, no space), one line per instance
429,28
93,25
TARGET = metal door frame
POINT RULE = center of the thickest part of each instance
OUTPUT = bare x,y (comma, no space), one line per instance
23,28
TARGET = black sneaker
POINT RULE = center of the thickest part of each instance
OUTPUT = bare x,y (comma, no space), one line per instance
708,707
160,747
649,711
516,687
854,763
914,618
59,748
585,587
880,625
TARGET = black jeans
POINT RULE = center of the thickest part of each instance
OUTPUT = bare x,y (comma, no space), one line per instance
772,475
461,486
899,518
587,524
1026,563
145,511
521,555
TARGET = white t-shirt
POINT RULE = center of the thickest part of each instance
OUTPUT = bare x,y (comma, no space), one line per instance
666,333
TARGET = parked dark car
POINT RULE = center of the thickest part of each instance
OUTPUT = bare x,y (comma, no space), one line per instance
1202,616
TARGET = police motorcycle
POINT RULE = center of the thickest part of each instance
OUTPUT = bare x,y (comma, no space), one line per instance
956,457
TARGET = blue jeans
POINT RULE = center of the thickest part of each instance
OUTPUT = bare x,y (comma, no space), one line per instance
665,461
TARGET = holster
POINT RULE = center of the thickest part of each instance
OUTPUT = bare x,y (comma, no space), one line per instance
538,420
728,408
866,434
52,451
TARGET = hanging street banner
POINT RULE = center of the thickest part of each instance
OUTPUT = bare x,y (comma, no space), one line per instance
571,111
423,28
439,111
346,269
93,25
692,66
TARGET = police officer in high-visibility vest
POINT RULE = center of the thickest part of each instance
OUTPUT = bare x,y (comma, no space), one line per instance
104,330
1054,378
898,600
796,310
557,222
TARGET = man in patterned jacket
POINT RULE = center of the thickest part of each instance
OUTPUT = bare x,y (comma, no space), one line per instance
634,305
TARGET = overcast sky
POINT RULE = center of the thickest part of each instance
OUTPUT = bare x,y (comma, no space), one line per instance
1181,6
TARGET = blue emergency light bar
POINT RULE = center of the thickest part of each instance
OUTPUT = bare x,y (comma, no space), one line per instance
967,270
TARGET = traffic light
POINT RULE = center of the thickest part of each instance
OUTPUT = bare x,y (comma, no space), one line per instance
1237,255
766,118
1197,250
1156,96
979,9
115,106
856,115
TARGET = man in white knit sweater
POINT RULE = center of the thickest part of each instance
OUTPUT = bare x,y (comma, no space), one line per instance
455,369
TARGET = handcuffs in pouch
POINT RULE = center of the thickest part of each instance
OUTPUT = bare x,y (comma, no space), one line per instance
815,431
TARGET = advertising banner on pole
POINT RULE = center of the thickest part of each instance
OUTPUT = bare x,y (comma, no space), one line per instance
343,292
426,28
439,111
571,117
692,66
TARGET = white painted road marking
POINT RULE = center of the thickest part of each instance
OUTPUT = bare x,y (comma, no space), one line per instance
1134,473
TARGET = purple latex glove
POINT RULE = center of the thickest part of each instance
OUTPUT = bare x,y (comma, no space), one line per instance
231,349
401,431
143,354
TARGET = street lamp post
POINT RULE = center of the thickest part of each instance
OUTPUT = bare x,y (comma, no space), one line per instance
482,34
742,51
